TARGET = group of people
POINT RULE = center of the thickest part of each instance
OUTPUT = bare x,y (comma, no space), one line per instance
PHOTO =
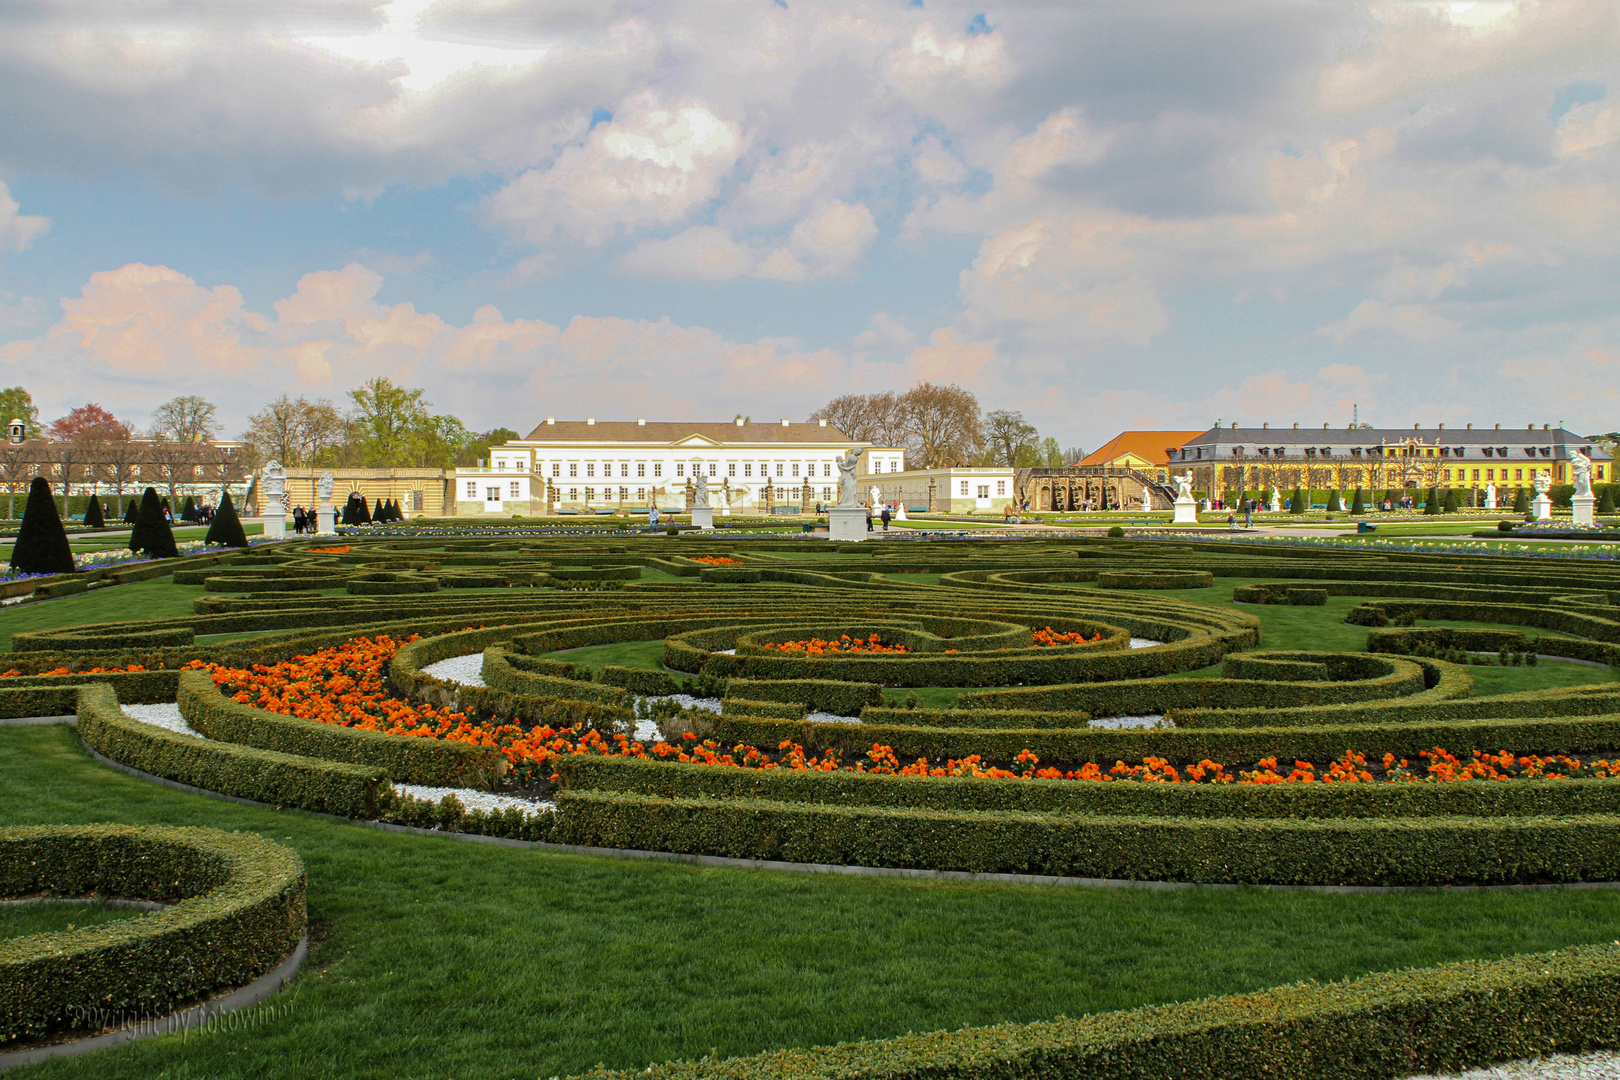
305,520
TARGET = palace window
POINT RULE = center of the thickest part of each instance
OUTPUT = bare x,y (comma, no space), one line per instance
658,469
680,468
795,468
1518,474
590,469
492,494
590,493
624,468
556,469
826,494
964,487
984,491
1476,474
826,469
894,466
641,493
573,468
472,489
500,463
778,468
573,494
416,500
514,489
1001,488
748,468
731,468
712,467
641,468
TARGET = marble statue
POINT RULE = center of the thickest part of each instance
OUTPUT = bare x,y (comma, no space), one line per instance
1276,501
875,496
1184,486
1490,496
323,487
1542,483
274,480
1147,497
700,490
1581,469
846,478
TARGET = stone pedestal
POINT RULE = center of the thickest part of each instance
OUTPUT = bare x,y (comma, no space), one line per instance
703,517
1490,498
846,523
1582,507
1542,508
1186,512
326,520
275,526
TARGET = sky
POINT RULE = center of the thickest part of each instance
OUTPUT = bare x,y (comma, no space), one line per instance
1106,215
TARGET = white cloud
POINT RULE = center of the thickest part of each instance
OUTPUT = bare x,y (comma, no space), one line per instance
428,60
655,165
883,333
701,253
18,231
1588,129
1416,322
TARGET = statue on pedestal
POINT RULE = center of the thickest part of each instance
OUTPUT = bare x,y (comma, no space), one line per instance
1184,486
846,477
1542,483
1490,495
700,491
323,486
1581,470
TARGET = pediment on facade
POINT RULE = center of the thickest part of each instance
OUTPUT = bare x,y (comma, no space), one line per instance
695,442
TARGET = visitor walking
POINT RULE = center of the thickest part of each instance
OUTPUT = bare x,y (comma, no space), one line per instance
1247,507
885,517
868,517
300,518
652,518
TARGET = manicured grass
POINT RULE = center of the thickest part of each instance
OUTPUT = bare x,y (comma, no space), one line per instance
27,919
442,959
1544,676
636,654
160,598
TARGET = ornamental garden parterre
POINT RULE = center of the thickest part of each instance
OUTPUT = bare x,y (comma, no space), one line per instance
1092,711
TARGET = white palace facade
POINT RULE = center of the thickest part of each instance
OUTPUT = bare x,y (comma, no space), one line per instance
591,466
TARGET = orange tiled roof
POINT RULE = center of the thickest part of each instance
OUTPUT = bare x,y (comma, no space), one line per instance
1148,445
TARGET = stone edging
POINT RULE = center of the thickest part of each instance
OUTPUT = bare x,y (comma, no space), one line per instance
196,1018
30,721
854,871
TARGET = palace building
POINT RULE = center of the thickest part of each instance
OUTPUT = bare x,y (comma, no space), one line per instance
1232,459
591,466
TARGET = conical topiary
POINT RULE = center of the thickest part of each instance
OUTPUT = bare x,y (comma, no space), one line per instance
226,528
1333,501
362,516
1521,501
131,511
394,512
1606,502
1451,505
152,534
42,543
1297,503
347,517
1358,506
1431,501
188,512
377,514
92,514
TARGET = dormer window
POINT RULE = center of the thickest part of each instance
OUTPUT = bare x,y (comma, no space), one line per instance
1281,451
1487,450
1237,451
1310,451
1327,451
1266,450
1457,451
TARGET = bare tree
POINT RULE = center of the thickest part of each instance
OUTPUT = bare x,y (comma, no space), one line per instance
942,424
185,419
14,464
294,431
1006,433
175,463
220,468
851,414
120,462
1074,455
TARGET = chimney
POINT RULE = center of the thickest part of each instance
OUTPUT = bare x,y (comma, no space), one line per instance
590,421
739,421
1529,427
1296,425
1470,427
552,420
641,421
1264,424
784,421
823,423
1234,425
1442,427
1546,427
1498,427
1324,427
1415,427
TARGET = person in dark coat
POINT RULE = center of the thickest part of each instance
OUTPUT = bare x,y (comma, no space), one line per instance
300,518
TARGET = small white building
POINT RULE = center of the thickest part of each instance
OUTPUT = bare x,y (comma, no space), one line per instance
946,490
588,466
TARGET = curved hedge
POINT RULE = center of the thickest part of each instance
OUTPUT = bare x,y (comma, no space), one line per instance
237,911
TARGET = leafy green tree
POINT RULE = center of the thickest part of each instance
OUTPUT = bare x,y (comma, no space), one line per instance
226,528
18,404
42,544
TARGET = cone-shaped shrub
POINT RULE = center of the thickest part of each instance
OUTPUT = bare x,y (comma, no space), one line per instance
132,510
347,517
1451,504
152,534
42,543
188,512
226,528
1297,503
1606,502
92,514
1431,501
1333,501
377,514
394,512
1358,506
362,516
1521,501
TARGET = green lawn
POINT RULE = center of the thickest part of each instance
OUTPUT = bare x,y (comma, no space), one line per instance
442,959
48,918
636,654
157,599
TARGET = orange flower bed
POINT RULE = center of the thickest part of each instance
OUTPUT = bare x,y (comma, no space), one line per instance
717,560
66,671
344,550
1048,638
843,644
345,685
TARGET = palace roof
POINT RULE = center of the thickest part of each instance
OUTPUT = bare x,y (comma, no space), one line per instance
1544,442
1148,445
662,432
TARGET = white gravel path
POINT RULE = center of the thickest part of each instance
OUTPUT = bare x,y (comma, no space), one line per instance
1602,1065
475,800
832,718
687,701
1144,643
466,670
163,716
1114,723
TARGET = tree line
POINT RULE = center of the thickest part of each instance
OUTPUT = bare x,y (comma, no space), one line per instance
943,426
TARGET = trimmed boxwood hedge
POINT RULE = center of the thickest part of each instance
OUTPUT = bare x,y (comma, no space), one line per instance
280,779
1320,851
238,910
1424,1020
429,762
1155,579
